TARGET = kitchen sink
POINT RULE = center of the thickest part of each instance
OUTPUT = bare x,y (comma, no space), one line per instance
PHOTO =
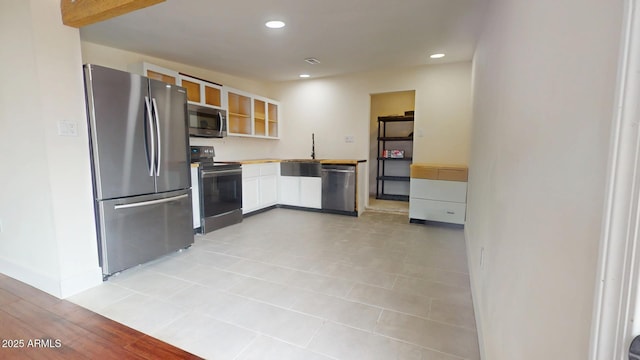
301,167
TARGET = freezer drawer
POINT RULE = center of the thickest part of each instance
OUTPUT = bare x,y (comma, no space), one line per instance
139,229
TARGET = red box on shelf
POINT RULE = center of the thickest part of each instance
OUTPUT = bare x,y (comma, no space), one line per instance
393,154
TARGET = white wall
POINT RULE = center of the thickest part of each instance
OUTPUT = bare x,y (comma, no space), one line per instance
336,107
227,149
544,76
48,232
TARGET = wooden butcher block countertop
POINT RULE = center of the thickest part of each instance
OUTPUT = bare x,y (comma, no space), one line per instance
450,172
321,161
259,161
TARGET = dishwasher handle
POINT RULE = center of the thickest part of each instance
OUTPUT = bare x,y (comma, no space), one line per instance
338,171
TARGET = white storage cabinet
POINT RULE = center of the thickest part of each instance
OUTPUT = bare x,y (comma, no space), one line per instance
259,186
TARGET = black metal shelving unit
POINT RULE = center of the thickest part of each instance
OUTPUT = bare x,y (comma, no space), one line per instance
383,139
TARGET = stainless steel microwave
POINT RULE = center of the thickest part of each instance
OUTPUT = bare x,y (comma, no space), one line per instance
207,122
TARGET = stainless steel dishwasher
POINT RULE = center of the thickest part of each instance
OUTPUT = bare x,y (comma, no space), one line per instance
339,188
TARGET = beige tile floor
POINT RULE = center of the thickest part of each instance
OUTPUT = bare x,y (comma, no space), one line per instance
288,284
393,206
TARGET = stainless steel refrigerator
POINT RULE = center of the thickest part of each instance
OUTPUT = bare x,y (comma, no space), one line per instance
140,161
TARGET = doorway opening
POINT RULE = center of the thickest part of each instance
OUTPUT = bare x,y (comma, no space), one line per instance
381,163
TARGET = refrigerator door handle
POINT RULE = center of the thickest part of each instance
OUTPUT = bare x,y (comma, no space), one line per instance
150,202
159,152
147,106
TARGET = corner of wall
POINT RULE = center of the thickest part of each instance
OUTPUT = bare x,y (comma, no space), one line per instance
474,279
80,282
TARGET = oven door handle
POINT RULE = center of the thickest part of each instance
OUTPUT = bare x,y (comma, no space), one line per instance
212,173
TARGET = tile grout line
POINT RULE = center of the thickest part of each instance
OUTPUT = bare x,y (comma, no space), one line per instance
397,275
247,346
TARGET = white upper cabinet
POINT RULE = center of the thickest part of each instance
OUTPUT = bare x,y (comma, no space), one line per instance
202,92
252,115
155,72
248,114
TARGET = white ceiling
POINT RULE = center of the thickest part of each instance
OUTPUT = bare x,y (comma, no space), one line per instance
345,35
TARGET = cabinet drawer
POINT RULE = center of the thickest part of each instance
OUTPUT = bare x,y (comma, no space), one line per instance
250,170
269,169
450,212
455,191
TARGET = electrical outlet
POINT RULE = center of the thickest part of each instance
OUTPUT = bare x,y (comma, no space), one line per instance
349,139
482,258
67,128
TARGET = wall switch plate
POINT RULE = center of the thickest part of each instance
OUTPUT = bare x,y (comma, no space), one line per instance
482,258
67,128
349,139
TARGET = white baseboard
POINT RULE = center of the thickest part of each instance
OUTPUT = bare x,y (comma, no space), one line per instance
56,287
474,294
80,282
28,276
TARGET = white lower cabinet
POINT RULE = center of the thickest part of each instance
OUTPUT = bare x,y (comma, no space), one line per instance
259,186
438,200
301,191
289,190
311,192
250,195
268,190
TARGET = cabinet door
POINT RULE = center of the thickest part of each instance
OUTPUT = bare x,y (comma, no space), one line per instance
250,194
193,89
272,120
239,114
268,190
311,192
154,72
290,190
160,76
212,95
259,117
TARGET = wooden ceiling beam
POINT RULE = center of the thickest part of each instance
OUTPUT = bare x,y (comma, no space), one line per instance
79,13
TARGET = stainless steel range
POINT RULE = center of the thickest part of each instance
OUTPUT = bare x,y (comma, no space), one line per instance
220,190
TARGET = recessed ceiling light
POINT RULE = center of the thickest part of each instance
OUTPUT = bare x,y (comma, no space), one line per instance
274,24
305,75
437,56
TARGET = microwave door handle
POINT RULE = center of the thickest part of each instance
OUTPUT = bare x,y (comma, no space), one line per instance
159,152
221,123
149,122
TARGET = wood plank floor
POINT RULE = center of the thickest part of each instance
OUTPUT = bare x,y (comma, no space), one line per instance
36,325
